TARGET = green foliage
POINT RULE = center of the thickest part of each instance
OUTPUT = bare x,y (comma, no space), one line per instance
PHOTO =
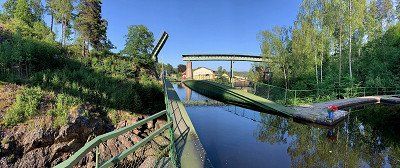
25,106
20,56
379,65
91,26
334,44
139,43
276,47
61,11
181,68
22,11
60,112
29,55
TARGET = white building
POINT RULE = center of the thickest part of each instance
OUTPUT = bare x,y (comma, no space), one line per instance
203,74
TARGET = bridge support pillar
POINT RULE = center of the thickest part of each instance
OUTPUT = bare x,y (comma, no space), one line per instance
189,70
231,80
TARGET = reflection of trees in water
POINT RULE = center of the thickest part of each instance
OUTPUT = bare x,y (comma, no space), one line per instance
180,85
273,129
354,143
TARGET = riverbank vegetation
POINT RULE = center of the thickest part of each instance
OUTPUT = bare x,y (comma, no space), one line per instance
334,44
74,68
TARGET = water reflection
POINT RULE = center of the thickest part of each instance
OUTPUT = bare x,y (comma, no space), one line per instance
369,137
238,137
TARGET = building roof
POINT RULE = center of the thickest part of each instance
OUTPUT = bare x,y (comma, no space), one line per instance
204,68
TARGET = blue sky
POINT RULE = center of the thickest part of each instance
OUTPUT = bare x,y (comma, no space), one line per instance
200,26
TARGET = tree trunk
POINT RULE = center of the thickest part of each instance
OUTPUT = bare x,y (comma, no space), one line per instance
83,48
285,76
340,54
62,33
316,66
52,23
322,58
350,33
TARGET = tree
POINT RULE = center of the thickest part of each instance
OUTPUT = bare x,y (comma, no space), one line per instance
276,46
221,71
385,12
139,41
372,23
9,7
138,45
91,27
61,11
354,20
22,12
398,10
169,68
37,10
181,68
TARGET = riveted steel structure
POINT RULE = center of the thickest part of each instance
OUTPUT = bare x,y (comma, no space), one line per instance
222,57
218,57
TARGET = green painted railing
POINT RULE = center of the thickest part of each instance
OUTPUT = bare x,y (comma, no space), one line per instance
170,117
94,143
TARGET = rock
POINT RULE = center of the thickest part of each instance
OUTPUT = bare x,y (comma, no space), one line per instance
150,124
44,146
148,162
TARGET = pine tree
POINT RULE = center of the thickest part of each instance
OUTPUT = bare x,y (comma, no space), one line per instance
61,11
91,27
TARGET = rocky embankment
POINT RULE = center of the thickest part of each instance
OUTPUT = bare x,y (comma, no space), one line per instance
37,143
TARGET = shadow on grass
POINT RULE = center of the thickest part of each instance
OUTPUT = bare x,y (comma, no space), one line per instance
100,88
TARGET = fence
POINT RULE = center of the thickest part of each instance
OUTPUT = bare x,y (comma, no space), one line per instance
285,96
93,145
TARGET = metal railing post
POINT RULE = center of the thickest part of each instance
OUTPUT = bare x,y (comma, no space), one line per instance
364,91
97,156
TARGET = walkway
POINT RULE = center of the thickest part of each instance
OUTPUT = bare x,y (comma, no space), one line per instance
189,150
316,113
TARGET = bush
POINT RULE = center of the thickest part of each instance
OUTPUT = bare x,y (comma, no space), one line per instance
25,106
61,110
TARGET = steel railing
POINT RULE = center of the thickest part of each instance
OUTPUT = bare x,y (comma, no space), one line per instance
94,143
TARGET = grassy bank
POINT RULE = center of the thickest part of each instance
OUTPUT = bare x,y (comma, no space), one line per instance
107,83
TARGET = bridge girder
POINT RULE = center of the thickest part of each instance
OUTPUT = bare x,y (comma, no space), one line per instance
222,57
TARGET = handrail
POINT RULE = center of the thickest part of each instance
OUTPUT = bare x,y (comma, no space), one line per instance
170,117
130,150
77,156
357,87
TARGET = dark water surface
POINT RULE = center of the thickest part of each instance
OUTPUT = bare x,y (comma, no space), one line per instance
237,137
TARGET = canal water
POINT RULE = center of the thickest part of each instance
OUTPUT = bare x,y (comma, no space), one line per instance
236,137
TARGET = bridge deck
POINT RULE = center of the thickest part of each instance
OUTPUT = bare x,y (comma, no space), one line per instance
189,149
222,57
